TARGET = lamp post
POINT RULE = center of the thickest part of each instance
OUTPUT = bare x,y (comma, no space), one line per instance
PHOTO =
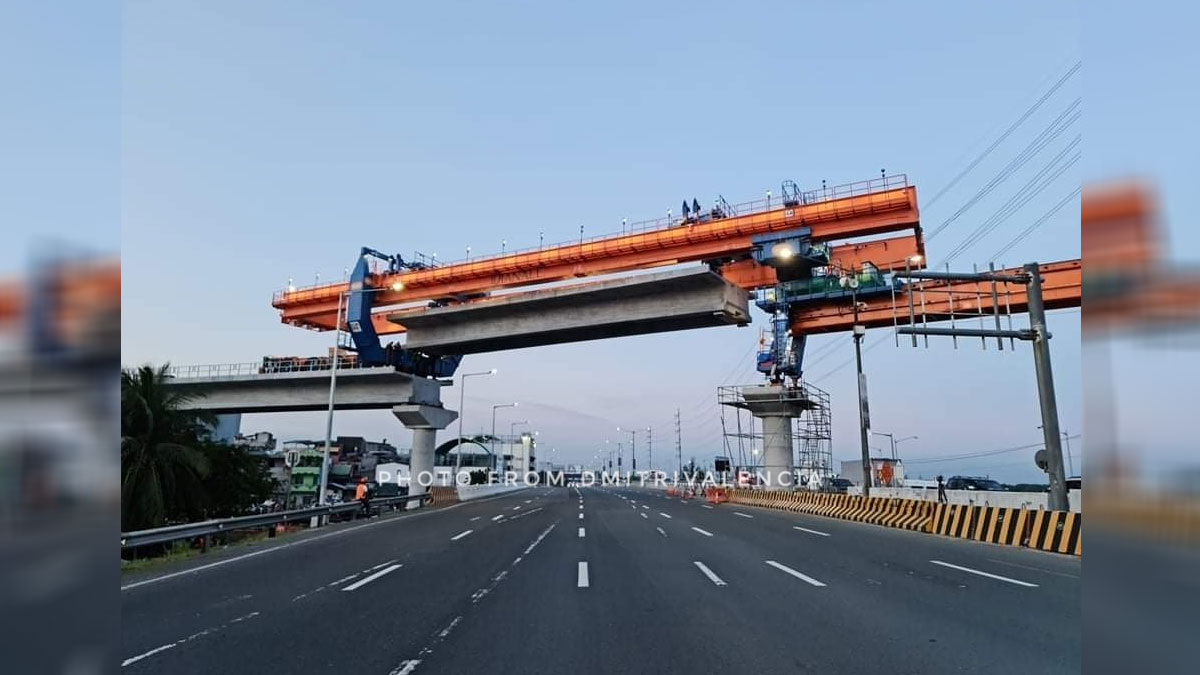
632,450
850,282
333,368
462,395
499,467
512,432
895,441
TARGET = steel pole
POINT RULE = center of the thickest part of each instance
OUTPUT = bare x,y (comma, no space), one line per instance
1045,383
863,422
492,441
462,394
337,329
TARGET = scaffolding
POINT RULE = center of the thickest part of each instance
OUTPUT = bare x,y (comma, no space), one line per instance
812,451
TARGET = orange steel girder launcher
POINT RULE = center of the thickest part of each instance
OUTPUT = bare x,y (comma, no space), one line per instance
869,209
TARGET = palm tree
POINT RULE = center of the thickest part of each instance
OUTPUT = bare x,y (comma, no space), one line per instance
162,468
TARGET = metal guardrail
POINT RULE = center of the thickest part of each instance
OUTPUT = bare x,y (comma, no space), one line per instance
162,535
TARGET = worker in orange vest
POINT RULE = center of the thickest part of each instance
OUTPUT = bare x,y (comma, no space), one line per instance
362,493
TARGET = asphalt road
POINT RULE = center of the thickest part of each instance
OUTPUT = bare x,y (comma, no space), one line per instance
608,580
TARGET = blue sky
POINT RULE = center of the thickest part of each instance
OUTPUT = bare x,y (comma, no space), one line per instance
269,140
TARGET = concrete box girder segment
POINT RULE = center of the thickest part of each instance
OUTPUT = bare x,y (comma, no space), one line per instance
631,305
357,389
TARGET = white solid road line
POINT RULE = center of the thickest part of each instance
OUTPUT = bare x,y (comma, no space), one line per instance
984,574
710,574
581,533
664,515
460,535
498,517
744,515
366,580
799,575
582,579
805,529
707,534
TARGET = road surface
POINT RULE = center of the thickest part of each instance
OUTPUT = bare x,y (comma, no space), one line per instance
606,580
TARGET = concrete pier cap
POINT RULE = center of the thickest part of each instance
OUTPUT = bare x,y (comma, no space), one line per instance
425,421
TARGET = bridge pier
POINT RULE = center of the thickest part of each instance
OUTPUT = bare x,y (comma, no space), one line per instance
425,420
776,405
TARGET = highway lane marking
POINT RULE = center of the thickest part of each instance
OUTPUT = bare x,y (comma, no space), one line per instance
661,531
1034,569
406,667
744,515
307,540
170,645
984,574
460,535
475,519
805,529
799,575
580,506
582,575
497,517
712,576
344,579
581,516
644,516
581,533
527,501
517,507
539,539
644,506
366,580
664,515
703,532
706,506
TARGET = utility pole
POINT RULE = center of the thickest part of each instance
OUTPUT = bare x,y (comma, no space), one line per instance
650,446
678,443
864,413
1046,397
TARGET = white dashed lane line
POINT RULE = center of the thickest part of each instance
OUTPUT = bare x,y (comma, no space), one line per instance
582,575
366,580
664,515
710,574
744,515
581,533
460,535
805,529
799,575
985,574
703,532
498,517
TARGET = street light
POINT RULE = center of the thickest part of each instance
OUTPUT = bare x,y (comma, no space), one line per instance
462,394
499,468
632,450
333,367
895,441
512,432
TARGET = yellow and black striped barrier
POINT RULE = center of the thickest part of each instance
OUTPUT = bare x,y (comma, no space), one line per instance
1054,531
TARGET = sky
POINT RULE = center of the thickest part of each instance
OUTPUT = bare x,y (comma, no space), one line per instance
268,141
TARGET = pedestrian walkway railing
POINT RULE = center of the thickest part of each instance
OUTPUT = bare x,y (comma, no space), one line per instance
207,528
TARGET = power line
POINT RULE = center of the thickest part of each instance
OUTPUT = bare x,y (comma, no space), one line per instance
982,453
1007,132
1065,120
1031,189
1037,223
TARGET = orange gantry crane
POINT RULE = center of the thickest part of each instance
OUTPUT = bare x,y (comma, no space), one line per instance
791,246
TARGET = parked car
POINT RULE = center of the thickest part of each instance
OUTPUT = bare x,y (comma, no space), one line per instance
969,483
839,485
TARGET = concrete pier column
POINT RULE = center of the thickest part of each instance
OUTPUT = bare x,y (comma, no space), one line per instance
777,451
425,421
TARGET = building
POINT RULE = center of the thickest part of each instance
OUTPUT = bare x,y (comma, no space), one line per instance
885,472
304,458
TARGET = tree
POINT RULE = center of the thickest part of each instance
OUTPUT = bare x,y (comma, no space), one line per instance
162,469
236,480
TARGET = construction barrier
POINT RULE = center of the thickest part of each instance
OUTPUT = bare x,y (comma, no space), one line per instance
443,495
1054,531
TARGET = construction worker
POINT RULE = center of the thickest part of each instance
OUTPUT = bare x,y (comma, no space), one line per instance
362,493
